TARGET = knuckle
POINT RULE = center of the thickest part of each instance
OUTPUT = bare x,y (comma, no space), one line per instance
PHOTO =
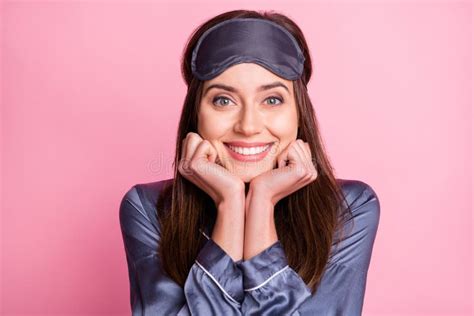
181,169
192,164
186,163
192,135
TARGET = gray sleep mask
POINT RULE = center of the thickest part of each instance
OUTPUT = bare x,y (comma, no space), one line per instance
240,40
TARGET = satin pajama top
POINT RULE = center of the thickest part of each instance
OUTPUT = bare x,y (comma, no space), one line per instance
261,285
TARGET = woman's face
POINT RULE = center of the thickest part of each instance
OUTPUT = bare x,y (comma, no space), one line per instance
250,104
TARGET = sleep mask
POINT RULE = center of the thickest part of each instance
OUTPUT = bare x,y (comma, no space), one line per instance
240,40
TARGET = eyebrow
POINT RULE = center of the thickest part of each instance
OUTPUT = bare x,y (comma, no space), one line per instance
259,89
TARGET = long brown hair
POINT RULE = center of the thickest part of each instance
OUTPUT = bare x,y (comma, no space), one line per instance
306,220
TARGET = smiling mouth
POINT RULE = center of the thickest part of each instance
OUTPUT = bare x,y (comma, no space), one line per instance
249,154
247,145
249,150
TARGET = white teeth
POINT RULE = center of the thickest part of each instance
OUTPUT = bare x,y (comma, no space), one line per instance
249,151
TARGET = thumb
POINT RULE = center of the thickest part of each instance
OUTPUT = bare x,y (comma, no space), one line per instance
283,157
211,153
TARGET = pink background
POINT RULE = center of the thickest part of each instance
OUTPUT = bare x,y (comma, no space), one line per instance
93,89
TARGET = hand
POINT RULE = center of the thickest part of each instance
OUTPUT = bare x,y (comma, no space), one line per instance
198,164
277,183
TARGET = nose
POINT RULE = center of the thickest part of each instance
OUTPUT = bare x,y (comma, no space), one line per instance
250,121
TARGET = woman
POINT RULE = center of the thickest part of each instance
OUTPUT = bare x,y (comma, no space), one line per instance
254,221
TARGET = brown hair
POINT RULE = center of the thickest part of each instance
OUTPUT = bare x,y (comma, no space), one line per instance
306,220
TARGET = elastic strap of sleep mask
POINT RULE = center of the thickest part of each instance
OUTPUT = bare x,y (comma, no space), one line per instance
240,40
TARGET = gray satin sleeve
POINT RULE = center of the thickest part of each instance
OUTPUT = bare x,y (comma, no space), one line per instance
271,286
213,285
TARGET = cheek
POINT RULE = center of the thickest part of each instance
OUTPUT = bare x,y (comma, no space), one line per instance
211,125
284,126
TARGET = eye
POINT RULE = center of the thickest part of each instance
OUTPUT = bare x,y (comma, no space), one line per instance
219,98
275,98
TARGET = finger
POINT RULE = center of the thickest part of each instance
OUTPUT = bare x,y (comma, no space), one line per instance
313,162
204,152
310,168
307,151
218,161
303,150
192,143
293,154
299,149
301,160
310,156
283,156
212,153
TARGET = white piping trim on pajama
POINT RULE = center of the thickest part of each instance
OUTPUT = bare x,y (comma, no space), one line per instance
267,280
215,281
205,234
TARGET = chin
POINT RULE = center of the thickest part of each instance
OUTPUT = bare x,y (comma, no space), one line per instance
246,171
246,174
